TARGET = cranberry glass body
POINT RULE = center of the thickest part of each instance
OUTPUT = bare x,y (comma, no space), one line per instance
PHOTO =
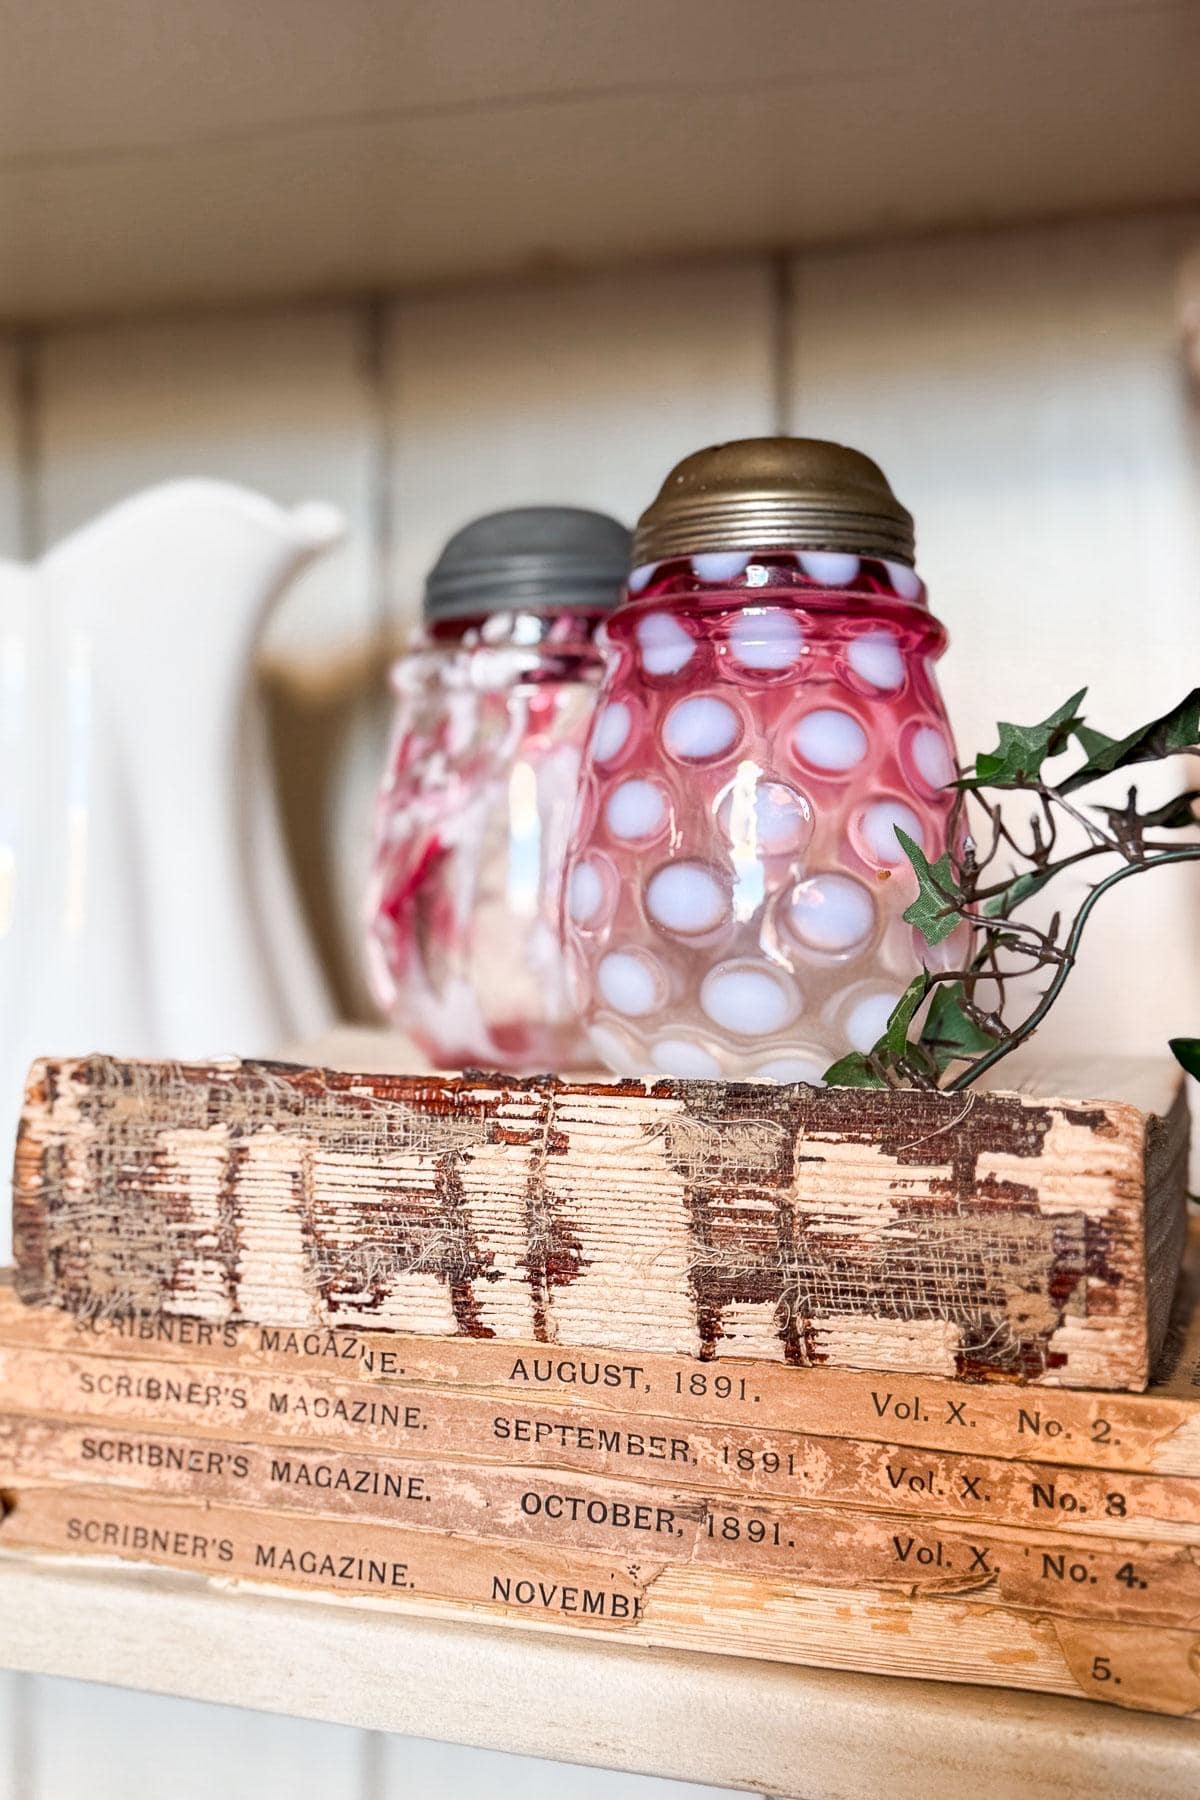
735,887
472,826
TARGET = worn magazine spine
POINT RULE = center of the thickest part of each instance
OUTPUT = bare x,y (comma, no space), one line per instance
1158,1431
642,1599
72,1436
676,1217
1125,1579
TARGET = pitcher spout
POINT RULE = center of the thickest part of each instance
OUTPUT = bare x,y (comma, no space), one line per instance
316,525
208,550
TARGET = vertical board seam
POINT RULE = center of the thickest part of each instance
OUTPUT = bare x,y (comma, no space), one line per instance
23,1747
371,1774
782,308
27,344
380,506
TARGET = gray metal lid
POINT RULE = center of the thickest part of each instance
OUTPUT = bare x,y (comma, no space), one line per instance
533,557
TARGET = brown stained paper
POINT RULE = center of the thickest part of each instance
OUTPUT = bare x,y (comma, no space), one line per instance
1129,1666
534,1383
341,1557
916,1232
1129,1580
684,1608
662,1454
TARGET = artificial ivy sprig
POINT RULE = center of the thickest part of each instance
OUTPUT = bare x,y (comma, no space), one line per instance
950,1026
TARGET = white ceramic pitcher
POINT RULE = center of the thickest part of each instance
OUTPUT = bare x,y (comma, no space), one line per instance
145,903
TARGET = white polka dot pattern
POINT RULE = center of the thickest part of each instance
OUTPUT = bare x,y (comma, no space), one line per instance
832,568
585,893
666,647
720,565
636,810
686,898
765,819
640,578
867,1017
688,1060
830,912
904,580
613,725
766,639
828,739
877,829
480,795
875,657
701,728
736,889
752,1001
931,757
630,983
614,1049
793,1068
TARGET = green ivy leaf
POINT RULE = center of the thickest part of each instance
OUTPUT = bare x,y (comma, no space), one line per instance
1019,888
894,1041
853,1071
1186,1052
1093,743
1178,729
1017,759
948,1036
950,1033
932,912
857,1070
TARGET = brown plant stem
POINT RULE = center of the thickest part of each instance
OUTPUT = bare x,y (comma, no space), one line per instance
1070,950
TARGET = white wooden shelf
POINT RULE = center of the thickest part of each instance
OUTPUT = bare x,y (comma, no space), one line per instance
173,154
719,1720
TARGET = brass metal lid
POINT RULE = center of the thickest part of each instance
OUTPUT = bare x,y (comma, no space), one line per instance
774,493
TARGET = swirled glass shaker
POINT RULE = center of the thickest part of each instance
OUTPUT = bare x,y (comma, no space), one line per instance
769,716
492,708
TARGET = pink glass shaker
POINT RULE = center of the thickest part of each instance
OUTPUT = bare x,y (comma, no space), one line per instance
492,709
769,716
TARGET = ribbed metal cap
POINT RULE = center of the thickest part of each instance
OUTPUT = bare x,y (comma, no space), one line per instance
772,494
530,556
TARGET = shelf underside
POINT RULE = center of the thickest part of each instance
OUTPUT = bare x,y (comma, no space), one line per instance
174,155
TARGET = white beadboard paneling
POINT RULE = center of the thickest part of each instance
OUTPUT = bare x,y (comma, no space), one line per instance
416,1767
580,391
1025,394
110,1744
283,402
278,400
12,517
12,511
14,1695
